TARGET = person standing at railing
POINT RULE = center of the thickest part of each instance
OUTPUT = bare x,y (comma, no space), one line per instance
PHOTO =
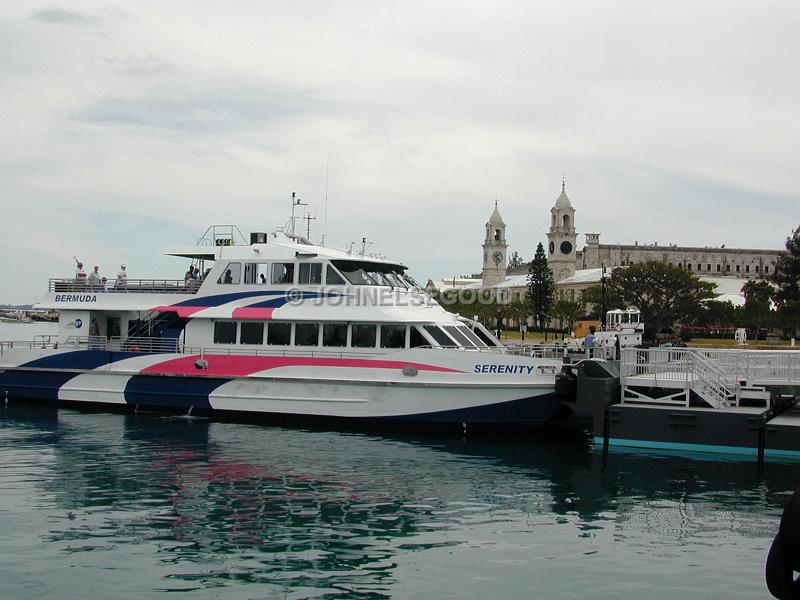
80,274
94,278
122,278
589,340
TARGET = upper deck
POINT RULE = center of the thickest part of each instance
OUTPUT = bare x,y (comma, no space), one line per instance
273,272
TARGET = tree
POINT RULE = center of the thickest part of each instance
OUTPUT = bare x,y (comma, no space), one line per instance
568,311
593,298
541,287
786,278
718,314
664,294
757,304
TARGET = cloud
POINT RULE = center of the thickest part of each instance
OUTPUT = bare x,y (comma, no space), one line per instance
63,16
140,65
674,123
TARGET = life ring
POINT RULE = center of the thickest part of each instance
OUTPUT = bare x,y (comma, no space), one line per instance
618,327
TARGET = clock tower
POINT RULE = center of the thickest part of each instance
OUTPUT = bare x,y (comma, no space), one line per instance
561,238
494,250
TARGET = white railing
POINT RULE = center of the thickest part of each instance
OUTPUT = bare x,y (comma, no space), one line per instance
710,381
131,286
716,375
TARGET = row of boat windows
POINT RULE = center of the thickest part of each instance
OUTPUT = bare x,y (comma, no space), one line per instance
342,335
339,272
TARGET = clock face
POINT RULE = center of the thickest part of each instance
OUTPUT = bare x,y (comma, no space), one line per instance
497,257
552,247
566,247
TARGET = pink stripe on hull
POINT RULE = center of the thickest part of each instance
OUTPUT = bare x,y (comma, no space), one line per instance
240,366
182,311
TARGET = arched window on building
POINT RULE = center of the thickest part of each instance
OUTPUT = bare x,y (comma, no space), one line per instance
566,221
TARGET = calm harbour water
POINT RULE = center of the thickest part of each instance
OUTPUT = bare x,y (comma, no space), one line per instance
139,505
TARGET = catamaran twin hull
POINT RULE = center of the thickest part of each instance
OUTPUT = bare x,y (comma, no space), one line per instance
434,387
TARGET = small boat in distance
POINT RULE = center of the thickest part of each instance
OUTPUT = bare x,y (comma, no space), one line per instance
283,328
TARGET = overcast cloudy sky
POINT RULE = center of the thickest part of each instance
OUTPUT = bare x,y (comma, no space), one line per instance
128,128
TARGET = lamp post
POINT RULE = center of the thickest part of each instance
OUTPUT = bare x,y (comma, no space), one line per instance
603,296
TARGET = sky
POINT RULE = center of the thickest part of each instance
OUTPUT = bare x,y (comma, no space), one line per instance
128,128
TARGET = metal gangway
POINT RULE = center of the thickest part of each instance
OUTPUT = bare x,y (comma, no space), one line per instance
721,377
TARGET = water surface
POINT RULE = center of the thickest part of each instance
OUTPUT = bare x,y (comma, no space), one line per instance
139,505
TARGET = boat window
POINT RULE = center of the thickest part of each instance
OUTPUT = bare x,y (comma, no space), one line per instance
393,336
279,334
483,336
282,273
440,336
225,332
396,280
410,281
306,334
417,339
376,272
255,273
353,272
364,336
332,277
471,336
310,273
458,336
334,334
231,274
251,333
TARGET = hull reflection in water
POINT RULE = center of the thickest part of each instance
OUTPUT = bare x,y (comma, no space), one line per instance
142,504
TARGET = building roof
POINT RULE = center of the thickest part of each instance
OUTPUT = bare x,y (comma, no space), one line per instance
496,219
563,200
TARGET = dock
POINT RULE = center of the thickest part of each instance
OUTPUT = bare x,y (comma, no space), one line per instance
724,401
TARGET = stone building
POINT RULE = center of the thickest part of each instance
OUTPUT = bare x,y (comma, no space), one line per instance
576,270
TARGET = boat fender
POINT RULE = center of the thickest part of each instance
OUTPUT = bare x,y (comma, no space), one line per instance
410,371
784,555
201,363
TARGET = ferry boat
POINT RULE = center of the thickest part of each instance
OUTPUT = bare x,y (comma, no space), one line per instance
279,327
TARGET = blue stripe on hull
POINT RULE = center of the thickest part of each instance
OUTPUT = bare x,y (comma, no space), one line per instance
80,359
171,392
529,411
34,385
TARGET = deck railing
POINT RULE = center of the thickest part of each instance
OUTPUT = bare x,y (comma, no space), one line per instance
727,368
172,345
131,286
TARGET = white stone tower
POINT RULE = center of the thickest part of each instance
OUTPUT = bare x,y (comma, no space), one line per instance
562,237
494,250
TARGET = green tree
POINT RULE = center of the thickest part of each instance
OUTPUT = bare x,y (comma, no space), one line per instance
593,299
664,294
568,311
786,278
719,314
541,287
757,304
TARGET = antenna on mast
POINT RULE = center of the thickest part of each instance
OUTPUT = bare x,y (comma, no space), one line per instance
325,215
295,202
308,218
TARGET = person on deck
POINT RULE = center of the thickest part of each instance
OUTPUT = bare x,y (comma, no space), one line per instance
122,277
94,278
589,340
